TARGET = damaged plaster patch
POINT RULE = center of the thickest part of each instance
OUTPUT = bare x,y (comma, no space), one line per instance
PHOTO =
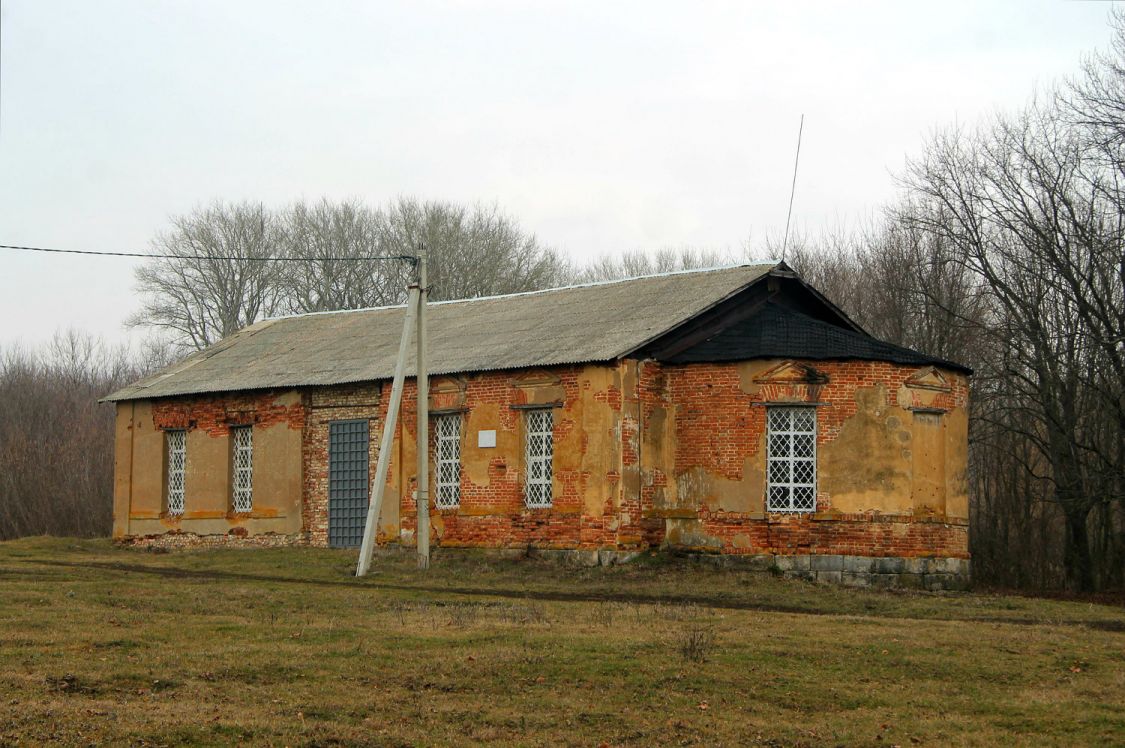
867,465
688,533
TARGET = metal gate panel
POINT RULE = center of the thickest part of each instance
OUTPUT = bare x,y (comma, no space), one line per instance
347,482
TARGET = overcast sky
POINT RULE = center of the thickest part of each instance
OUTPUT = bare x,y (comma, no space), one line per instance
602,127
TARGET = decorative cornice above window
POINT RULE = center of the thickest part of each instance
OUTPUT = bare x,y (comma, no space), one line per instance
929,378
791,372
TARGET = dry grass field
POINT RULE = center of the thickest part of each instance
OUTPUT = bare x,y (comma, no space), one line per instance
100,644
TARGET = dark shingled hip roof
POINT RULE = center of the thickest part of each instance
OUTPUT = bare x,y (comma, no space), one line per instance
780,332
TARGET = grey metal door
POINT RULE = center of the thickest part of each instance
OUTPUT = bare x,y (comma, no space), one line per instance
347,482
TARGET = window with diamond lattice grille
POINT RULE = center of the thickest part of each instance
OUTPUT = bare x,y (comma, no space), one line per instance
447,434
791,458
538,451
177,462
242,458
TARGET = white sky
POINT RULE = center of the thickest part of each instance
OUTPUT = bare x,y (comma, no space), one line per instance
601,126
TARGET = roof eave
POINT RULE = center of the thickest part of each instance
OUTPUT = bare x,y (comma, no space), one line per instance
656,336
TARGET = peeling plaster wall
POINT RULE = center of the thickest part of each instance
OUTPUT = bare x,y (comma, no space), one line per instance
586,404
644,455
891,457
277,419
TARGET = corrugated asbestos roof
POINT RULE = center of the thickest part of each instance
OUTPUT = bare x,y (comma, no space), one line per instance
596,322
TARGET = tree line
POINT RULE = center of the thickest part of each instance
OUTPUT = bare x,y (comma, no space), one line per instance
56,440
1005,251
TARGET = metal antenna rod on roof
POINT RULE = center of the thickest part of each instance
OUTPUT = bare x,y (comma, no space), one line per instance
792,189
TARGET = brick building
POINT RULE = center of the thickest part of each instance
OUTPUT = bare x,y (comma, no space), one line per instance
734,412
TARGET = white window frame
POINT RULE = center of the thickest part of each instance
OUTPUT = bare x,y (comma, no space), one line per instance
175,481
447,461
539,453
790,459
242,468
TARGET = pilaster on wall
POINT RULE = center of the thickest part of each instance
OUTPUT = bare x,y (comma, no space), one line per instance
648,447
123,466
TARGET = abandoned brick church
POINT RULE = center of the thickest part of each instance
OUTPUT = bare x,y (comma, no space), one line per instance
733,412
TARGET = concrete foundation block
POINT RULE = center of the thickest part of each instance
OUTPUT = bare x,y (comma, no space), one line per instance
860,564
764,562
793,563
626,557
583,558
884,581
890,565
946,566
936,582
827,563
910,581
857,579
852,571
916,565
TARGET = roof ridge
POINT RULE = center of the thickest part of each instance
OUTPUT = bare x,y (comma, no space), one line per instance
493,297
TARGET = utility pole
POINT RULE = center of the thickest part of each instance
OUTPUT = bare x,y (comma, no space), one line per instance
423,387
379,485
414,322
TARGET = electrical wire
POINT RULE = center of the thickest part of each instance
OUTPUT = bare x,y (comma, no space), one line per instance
150,255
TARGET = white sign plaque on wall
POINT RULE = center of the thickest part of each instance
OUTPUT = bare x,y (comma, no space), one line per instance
486,438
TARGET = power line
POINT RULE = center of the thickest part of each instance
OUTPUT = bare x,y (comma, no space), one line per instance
152,255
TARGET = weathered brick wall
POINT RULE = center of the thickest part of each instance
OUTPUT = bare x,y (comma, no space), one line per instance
869,535
645,455
324,405
216,414
717,500
492,512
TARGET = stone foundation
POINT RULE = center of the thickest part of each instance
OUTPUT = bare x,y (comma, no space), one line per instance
879,572
856,571
851,571
186,540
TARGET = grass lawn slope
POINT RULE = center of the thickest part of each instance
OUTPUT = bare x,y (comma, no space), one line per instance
284,647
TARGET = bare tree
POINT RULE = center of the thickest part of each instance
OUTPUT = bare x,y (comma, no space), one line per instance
1024,207
215,279
474,251
332,245
636,263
